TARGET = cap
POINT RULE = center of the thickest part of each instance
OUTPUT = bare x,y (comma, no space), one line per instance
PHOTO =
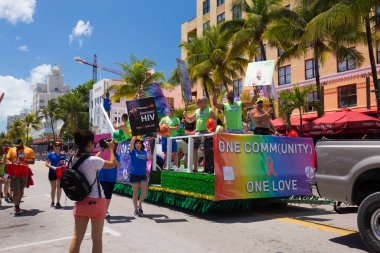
57,144
259,100
18,141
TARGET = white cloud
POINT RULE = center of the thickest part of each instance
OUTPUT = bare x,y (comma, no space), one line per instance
18,90
39,74
23,48
81,30
15,11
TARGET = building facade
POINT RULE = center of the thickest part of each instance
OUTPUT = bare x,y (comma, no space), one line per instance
11,119
43,93
344,82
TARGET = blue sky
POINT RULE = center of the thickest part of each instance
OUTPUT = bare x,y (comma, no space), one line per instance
35,35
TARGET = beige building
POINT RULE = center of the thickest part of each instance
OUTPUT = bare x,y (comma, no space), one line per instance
344,82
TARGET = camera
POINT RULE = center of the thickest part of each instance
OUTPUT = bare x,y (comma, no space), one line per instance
103,143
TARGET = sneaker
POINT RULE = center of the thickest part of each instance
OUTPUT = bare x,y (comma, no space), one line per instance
52,204
18,211
108,215
137,212
141,211
58,206
8,199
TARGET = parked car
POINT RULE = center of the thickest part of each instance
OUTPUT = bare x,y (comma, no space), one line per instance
349,171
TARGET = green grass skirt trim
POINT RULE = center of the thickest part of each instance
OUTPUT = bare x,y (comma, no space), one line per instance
187,202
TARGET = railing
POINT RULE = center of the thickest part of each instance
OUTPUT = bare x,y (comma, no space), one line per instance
107,119
190,150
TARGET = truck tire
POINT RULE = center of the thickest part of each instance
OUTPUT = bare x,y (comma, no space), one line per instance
369,221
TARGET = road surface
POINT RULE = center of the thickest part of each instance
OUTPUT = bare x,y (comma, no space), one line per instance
164,229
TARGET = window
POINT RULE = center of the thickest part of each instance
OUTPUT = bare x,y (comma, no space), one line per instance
311,97
377,18
170,102
206,7
346,64
237,12
206,26
220,2
42,101
284,75
347,96
56,89
220,18
260,55
378,51
309,69
280,52
238,87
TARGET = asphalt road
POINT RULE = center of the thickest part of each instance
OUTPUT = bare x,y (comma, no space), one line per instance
163,229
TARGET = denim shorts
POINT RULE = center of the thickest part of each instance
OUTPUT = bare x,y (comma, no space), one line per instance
165,145
137,178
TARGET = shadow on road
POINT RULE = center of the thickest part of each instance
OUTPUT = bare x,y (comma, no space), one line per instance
160,218
352,241
119,219
5,207
267,213
67,208
31,212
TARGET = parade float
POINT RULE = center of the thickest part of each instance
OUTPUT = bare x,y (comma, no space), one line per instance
248,169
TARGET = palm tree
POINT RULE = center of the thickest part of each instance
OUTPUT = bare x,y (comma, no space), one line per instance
136,78
211,61
294,99
352,13
72,110
33,121
50,113
291,30
16,130
248,32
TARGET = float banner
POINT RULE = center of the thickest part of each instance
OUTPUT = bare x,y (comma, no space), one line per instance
154,90
184,79
125,162
259,73
143,116
249,166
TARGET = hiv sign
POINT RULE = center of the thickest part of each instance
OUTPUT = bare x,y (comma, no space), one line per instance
143,116
253,166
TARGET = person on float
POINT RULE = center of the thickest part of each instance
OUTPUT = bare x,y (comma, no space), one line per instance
24,156
137,175
125,126
200,116
233,112
108,178
2,172
107,104
94,206
262,119
174,124
219,127
54,160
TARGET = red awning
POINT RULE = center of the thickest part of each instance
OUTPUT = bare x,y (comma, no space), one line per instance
280,125
342,121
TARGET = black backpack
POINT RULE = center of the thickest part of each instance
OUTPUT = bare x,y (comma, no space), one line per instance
74,183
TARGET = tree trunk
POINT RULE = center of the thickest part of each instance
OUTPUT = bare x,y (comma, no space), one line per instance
27,135
52,128
320,95
372,60
263,53
300,109
205,89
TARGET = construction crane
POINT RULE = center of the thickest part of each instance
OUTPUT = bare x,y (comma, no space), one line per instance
95,66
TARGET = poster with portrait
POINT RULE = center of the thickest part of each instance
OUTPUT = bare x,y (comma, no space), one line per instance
143,116
259,73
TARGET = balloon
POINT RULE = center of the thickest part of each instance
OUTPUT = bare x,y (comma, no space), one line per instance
211,125
293,133
164,130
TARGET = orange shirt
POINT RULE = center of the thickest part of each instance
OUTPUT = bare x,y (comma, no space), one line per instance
13,154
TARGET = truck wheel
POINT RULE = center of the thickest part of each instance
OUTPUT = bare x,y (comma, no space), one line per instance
369,221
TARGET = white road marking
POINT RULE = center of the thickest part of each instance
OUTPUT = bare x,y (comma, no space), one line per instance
40,242
105,230
111,231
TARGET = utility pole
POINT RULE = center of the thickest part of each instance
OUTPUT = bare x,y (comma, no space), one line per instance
95,69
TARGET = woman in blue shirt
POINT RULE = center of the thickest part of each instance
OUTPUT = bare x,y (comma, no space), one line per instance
55,160
108,178
137,175
107,104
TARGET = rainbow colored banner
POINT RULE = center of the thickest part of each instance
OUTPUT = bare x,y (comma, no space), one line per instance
252,166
